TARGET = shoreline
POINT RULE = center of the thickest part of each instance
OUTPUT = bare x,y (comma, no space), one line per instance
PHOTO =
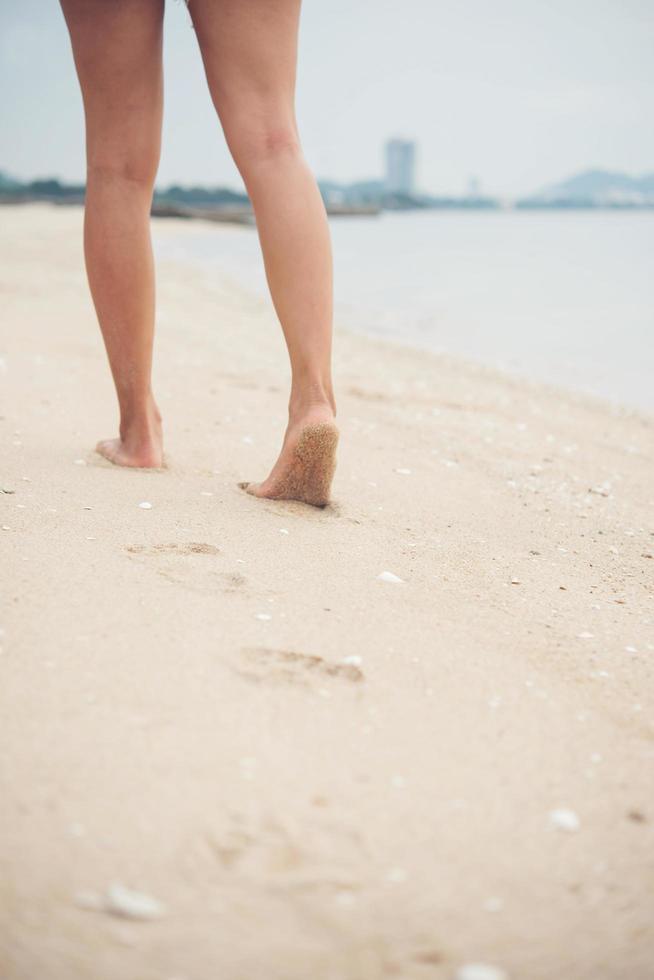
218,703
245,271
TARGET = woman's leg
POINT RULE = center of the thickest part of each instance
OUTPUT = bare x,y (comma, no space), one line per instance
117,49
249,49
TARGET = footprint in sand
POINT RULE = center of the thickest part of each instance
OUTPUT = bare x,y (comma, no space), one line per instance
176,562
189,548
286,666
268,848
309,856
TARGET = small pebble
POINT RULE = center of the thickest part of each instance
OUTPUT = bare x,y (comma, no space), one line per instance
130,904
584,636
353,660
565,819
283,530
389,577
631,649
5,527
480,971
396,875
262,616
403,471
145,505
79,462
493,904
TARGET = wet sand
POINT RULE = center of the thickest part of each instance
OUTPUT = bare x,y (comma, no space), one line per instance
304,769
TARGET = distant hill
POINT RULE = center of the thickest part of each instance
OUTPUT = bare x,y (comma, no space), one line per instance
8,183
598,188
199,196
47,189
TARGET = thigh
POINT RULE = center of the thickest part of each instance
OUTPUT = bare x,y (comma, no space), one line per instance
249,49
117,47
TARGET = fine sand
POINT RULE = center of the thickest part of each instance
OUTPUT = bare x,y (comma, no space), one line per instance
306,771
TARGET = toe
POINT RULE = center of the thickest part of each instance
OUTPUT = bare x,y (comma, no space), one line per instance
111,449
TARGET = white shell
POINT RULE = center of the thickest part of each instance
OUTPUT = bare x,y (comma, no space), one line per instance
480,971
131,905
565,819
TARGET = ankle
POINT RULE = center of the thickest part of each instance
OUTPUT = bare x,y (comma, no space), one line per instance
312,398
140,421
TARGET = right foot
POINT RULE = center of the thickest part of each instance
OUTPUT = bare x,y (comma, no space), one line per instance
138,445
306,465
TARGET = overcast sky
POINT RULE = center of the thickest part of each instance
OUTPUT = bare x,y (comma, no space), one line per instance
518,93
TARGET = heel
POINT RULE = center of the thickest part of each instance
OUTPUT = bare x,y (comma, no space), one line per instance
314,466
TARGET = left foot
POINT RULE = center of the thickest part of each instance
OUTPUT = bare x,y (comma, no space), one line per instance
120,453
138,445
306,464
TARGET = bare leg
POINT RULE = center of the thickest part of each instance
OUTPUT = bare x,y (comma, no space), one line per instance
249,51
117,49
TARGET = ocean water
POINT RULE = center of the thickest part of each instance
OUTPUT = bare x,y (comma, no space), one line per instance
561,297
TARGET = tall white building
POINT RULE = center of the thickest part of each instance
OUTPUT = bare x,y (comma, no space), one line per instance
400,166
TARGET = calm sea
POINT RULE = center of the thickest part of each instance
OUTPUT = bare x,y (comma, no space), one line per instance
562,297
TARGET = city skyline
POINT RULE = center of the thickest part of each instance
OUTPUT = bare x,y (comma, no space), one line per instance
400,156
594,186
516,97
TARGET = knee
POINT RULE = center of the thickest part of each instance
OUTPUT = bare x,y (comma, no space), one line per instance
138,169
255,145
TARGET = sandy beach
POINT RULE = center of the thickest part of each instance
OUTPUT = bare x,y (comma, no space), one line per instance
393,738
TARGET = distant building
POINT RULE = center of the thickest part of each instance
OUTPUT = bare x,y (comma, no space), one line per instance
400,166
474,188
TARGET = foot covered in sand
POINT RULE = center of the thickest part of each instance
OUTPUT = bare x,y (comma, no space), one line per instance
305,468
